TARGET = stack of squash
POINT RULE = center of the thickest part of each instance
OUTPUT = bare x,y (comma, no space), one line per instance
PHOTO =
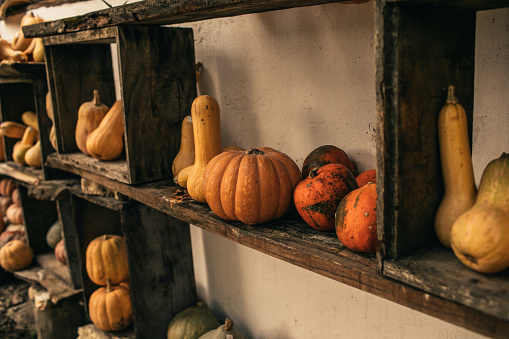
106,265
100,129
27,150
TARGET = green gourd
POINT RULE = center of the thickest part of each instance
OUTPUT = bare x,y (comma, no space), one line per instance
225,331
54,234
192,322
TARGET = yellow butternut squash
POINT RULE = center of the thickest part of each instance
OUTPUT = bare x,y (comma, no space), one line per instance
207,142
90,115
182,176
30,137
33,156
11,129
480,236
29,118
185,155
106,142
460,191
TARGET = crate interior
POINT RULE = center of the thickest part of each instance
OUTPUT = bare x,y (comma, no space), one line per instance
157,79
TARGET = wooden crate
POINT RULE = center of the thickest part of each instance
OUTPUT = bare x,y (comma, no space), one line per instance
157,88
23,87
159,256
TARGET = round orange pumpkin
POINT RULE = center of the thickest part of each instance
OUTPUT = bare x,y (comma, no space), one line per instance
366,177
5,202
7,185
326,154
15,255
14,214
318,196
16,199
253,187
356,220
60,252
106,259
110,307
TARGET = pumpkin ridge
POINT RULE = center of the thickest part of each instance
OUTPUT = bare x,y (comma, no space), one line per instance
285,185
269,194
248,170
229,187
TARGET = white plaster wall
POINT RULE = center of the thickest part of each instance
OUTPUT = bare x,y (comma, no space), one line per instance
294,80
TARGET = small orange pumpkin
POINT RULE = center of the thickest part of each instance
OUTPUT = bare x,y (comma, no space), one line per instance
366,177
7,185
106,259
110,307
356,220
318,196
15,255
16,199
14,214
253,187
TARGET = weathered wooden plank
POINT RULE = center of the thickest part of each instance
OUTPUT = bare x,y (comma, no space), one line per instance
305,248
438,271
157,68
32,178
421,51
161,268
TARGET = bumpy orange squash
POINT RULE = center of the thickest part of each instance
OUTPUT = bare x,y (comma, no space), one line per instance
90,115
366,177
326,154
318,196
480,236
106,259
253,187
355,220
110,308
106,142
15,255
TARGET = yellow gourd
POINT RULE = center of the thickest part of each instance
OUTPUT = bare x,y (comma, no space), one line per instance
29,118
90,115
107,141
49,106
182,176
38,53
457,170
20,43
11,129
33,156
53,137
185,156
480,236
30,137
207,141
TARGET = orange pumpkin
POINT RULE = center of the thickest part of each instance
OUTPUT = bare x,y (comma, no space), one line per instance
106,259
7,185
110,307
5,202
318,196
324,155
16,199
15,255
366,177
14,214
253,187
60,252
356,220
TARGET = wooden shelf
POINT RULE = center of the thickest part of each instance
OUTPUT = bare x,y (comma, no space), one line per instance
290,240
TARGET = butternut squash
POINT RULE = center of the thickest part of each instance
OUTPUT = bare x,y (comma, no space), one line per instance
20,43
106,142
11,129
29,118
53,137
480,236
49,106
33,156
460,191
185,155
30,137
90,115
182,176
38,53
207,142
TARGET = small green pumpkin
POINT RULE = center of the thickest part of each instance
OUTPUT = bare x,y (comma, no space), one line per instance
192,322
54,234
225,331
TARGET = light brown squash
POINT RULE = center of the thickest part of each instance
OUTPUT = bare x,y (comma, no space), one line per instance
480,236
185,155
207,141
90,115
12,129
49,106
182,176
38,53
33,156
14,214
53,137
20,43
29,118
30,137
106,142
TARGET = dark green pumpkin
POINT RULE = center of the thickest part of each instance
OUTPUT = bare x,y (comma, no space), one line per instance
54,234
192,322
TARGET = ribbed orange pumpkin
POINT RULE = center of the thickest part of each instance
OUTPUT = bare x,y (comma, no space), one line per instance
317,197
7,185
16,199
356,220
15,255
106,259
14,214
253,187
110,308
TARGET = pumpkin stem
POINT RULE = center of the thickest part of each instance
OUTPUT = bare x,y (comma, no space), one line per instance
451,97
254,151
312,173
108,286
96,100
228,324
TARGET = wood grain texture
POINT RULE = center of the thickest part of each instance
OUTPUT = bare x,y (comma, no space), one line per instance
421,51
160,266
290,240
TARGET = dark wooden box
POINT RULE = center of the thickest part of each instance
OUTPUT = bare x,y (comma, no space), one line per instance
23,87
157,87
160,261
